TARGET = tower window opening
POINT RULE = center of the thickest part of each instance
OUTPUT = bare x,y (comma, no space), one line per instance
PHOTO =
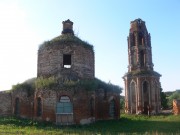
142,59
132,40
140,39
67,61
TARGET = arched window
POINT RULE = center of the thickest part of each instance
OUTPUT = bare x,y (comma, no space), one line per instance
17,107
133,97
39,107
140,39
112,108
92,107
142,59
64,111
134,60
132,40
146,97
64,106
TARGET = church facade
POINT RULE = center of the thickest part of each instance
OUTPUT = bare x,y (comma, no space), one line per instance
142,83
65,91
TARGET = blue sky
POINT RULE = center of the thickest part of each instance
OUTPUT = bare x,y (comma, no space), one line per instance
25,24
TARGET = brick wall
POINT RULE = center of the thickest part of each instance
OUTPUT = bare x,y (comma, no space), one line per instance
25,103
176,107
5,103
50,61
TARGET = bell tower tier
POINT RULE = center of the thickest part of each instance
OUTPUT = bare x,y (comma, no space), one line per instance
142,86
139,47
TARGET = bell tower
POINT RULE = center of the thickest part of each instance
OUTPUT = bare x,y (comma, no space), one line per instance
139,47
142,86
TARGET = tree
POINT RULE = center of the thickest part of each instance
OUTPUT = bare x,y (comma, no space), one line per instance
164,101
175,95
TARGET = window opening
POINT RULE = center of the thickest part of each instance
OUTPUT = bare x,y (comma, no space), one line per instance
112,108
39,107
92,107
146,97
132,40
67,61
140,39
142,59
64,106
17,107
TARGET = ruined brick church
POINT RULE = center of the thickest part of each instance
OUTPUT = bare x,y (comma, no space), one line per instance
65,90
142,85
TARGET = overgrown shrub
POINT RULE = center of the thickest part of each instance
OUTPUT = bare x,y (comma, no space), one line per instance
28,85
175,95
86,84
43,83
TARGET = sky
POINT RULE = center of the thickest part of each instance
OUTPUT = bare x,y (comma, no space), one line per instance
25,24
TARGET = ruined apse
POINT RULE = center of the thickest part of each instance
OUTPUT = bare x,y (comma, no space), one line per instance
142,83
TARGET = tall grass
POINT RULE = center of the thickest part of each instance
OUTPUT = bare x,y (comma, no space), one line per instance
127,124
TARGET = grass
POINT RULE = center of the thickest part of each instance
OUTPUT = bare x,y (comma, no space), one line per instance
127,124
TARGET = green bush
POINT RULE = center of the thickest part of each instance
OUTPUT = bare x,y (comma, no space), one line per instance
175,95
28,85
86,84
46,83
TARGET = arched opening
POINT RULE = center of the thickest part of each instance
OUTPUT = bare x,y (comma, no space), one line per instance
92,107
39,107
140,39
112,108
142,59
133,97
64,111
146,97
134,60
132,40
17,107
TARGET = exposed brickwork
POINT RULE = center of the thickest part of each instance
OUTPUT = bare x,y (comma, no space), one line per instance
176,107
67,59
50,61
142,85
5,103
81,104
25,103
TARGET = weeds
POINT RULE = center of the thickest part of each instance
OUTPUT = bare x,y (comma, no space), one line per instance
127,124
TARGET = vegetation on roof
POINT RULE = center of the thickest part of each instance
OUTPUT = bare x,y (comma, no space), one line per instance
66,39
86,84
142,72
55,84
28,86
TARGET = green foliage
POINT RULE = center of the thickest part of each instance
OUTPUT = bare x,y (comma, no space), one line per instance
86,84
108,86
164,100
28,86
127,124
46,83
66,39
90,85
175,95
